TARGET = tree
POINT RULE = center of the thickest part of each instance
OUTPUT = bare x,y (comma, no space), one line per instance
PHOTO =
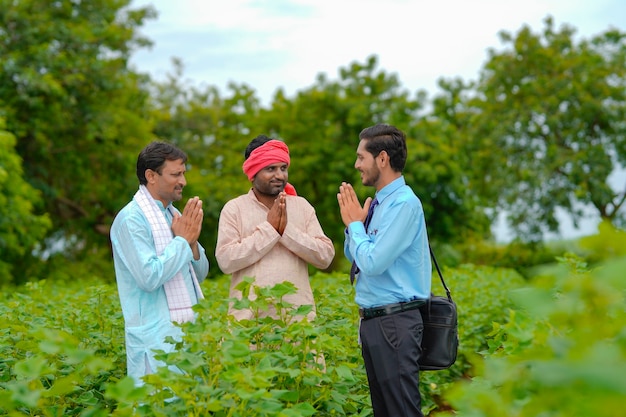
75,107
20,228
551,113
441,171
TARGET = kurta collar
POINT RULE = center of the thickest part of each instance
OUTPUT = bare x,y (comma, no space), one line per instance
255,199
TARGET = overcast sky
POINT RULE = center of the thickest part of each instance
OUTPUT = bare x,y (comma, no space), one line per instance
272,43
287,43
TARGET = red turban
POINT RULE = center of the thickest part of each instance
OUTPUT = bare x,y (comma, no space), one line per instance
271,152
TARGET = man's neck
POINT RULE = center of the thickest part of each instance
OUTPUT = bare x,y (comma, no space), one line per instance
155,196
267,200
387,179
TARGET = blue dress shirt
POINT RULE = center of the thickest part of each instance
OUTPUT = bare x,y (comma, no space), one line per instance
393,255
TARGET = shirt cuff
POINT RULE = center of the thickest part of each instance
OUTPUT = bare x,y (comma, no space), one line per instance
355,228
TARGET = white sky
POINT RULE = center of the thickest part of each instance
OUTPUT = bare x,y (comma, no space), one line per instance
270,43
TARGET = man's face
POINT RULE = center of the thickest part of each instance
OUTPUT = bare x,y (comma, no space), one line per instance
272,179
366,165
168,186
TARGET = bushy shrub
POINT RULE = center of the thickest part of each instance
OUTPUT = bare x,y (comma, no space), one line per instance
608,243
521,256
58,348
562,352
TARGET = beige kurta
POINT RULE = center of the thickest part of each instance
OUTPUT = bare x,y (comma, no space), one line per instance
249,246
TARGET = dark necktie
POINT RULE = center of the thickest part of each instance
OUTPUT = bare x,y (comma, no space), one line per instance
355,269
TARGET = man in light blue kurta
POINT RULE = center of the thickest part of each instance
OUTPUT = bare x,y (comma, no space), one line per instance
142,272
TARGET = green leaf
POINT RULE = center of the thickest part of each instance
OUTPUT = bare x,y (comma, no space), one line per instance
301,409
125,391
33,367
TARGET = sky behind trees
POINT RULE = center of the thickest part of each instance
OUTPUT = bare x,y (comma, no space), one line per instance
287,43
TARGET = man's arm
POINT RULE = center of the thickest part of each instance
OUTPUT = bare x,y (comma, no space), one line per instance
201,265
134,245
307,240
394,234
188,225
233,250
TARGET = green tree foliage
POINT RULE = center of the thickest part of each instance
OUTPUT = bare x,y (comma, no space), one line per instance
440,174
549,127
541,130
74,106
608,243
20,227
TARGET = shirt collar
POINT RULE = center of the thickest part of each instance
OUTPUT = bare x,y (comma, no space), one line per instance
167,211
390,188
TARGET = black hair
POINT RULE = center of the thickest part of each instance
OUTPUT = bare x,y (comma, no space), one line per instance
255,143
153,157
382,137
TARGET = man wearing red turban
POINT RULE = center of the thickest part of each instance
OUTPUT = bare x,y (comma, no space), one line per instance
271,233
272,151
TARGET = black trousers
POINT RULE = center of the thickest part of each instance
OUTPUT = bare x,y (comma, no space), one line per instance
391,348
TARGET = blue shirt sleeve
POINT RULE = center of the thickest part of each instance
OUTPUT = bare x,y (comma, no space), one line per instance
389,236
136,250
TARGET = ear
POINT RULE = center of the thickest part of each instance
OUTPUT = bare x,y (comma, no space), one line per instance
150,176
383,158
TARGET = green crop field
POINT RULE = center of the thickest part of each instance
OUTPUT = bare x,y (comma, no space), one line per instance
552,346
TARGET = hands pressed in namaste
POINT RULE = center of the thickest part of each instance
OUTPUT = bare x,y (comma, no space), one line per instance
277,216
349,206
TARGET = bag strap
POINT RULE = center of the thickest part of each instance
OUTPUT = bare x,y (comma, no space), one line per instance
432,254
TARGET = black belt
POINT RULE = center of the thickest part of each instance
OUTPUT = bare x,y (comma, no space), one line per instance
370,313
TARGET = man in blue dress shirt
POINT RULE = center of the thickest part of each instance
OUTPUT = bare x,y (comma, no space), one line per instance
391,263
158,260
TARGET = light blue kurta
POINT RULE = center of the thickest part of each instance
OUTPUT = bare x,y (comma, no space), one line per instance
140,275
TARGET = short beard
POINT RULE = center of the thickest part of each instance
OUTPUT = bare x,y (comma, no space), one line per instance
371,182
269,191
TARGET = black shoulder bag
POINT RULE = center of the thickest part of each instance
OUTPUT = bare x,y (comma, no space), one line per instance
440,340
